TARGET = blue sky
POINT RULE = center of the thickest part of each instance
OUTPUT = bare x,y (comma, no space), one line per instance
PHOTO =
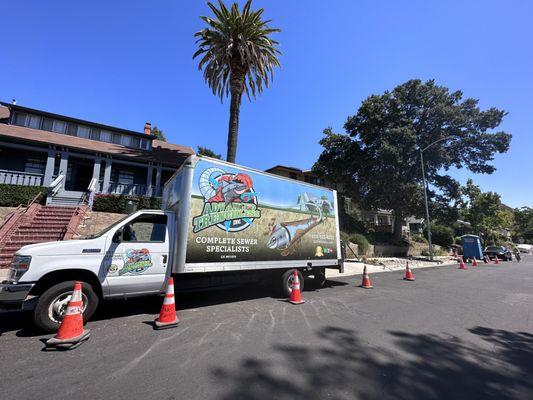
126,62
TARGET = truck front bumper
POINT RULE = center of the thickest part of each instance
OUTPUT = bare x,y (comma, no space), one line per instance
12,295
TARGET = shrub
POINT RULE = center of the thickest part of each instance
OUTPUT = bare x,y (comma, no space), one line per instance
419,239
117,203
14,195
345,237
441,235
361,241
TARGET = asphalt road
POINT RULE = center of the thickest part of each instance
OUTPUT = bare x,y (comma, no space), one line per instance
451,334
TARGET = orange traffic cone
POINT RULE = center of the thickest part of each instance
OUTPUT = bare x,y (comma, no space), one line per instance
409,276
71,332
167,316
296,294
474,262
462,264
365,284
497,260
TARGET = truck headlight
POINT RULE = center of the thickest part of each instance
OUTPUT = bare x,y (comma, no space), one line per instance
19,266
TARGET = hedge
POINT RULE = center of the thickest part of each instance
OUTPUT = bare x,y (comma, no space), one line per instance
14,195
117,203
361,241
441,235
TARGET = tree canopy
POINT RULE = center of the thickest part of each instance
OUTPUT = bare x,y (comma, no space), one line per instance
379,155
204,151
237,54
159,133
523,229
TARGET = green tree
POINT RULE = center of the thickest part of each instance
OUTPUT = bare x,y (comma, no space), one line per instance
487,215
159,133
523,228
379,154
237,55
204,151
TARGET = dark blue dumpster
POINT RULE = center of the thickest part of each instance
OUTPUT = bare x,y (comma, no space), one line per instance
471,247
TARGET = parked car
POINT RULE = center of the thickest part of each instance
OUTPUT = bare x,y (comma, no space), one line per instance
525,248
502,252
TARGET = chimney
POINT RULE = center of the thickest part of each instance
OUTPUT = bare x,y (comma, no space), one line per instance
14,102
148,128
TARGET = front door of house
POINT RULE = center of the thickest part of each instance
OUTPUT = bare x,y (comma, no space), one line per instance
79,174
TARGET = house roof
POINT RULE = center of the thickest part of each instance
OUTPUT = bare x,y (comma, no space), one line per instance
284,167
15,107
166,153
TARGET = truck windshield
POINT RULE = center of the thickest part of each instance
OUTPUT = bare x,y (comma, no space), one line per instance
95,235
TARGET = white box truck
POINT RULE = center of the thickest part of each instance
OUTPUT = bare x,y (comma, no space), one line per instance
221,224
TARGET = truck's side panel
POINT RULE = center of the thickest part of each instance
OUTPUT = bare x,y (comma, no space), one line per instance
242,219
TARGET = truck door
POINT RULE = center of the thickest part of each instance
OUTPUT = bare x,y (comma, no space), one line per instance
139,254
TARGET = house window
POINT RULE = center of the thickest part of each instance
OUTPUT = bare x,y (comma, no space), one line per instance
135,142
105,136
48,124
126,140
126,177
59,126
144,144
20,119
116,138
33,121
72,129
34,165
84,131
95,134
383,220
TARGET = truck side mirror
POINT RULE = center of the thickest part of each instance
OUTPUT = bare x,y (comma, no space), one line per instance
117,237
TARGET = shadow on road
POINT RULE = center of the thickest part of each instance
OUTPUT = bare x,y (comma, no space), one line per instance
421,367
22,322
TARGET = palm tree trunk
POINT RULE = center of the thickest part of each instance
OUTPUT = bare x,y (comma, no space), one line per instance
233,128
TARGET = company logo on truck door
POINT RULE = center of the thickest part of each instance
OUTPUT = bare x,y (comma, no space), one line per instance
136,261
230,201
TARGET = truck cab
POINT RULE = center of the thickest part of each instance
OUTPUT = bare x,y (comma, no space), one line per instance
129,258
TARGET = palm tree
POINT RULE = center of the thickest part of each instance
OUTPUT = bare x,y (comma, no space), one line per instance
238,56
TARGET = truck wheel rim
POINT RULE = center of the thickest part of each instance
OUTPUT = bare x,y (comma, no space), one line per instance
57,307
290,282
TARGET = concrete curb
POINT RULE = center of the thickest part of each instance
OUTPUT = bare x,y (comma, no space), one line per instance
352,268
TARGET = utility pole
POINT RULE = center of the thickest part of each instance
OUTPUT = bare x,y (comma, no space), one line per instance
428,224
424,182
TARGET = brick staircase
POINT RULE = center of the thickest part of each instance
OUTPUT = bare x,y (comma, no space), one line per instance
39,224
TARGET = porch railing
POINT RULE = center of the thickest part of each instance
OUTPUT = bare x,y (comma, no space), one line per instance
20,178
131,189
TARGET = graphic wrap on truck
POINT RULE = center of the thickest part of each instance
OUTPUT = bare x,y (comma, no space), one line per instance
239,215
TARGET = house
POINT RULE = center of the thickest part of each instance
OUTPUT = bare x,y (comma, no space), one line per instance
39,148
300,175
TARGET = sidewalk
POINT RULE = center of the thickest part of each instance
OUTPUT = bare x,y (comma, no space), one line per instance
388,264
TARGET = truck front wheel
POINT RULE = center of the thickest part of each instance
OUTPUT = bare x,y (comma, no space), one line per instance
53,302
287,279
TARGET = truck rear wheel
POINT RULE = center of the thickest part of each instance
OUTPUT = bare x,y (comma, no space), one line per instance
319,274
287,279
53,302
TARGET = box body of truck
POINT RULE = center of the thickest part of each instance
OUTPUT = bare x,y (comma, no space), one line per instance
231,218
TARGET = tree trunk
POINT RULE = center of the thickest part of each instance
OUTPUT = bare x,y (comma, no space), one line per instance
398,225
233,128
